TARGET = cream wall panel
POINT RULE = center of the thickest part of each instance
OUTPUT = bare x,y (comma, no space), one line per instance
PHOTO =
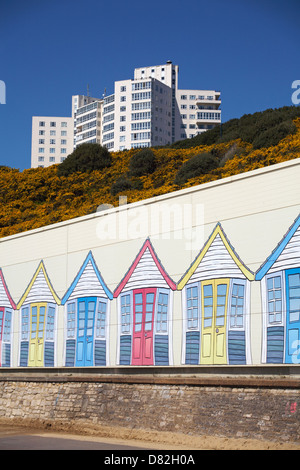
255,209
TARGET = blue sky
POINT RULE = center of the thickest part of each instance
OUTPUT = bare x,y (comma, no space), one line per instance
49,50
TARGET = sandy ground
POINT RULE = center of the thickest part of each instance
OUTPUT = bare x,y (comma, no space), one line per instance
143,438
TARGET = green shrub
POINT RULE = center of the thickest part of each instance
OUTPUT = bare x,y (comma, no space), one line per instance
196,166
85,158
121,184
274,135
249,128
142,163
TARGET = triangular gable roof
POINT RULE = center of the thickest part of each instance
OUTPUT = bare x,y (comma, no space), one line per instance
88,259
216,233
5,297
267,265
40,274
146,246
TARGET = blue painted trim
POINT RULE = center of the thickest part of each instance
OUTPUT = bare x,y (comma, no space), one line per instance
74,283
262,271
294,325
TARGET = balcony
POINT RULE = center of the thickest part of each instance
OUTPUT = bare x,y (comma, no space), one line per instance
208,117
210,100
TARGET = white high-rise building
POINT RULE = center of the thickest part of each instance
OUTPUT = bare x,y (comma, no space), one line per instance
148,110
51,141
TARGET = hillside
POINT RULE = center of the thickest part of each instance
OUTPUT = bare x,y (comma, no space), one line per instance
37,197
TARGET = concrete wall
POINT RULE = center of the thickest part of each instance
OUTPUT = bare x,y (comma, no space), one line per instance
270,413
255,211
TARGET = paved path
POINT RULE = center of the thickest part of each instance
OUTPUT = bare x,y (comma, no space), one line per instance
13,438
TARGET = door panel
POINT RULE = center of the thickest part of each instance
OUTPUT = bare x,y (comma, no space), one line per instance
214,312
292,277
36,342
86,308
143,320
2,310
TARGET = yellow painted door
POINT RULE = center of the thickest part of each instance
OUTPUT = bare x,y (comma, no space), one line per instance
214,294
36,343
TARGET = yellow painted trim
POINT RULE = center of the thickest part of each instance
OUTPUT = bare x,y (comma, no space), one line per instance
40,266
249,275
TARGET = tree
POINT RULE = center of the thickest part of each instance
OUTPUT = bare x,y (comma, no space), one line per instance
142,163
85,158
196,166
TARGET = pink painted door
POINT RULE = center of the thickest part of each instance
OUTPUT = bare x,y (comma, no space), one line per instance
143,319
1,330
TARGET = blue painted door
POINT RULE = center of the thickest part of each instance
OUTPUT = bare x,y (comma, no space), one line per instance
85,331
292,316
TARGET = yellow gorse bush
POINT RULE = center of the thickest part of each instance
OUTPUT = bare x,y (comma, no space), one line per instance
38,196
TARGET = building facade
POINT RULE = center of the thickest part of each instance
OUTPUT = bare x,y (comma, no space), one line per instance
148,110
52,140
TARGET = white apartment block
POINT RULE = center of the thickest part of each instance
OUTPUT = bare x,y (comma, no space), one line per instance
148,110
86,115
52,140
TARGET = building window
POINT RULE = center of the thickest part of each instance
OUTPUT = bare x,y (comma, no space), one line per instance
25,324
71,320
41,132
192,307
41,150
162,313
52,124
237,306
41,159
125,313
63,142
64,124
52,141
274,299
63,133
123,98
183,97
101,319
123,88
51,159
50,323
42,123
41,141
63,150
7,325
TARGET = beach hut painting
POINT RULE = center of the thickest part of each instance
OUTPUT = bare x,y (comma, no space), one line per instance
145,304
216,305
7,308
87,313
38,319
280,294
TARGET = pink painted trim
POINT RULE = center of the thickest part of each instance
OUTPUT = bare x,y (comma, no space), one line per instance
13,305
124,281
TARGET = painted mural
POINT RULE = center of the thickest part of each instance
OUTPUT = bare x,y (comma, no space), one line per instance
216,305
213,319
7,307
87,309
145,303
38,317
280,288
